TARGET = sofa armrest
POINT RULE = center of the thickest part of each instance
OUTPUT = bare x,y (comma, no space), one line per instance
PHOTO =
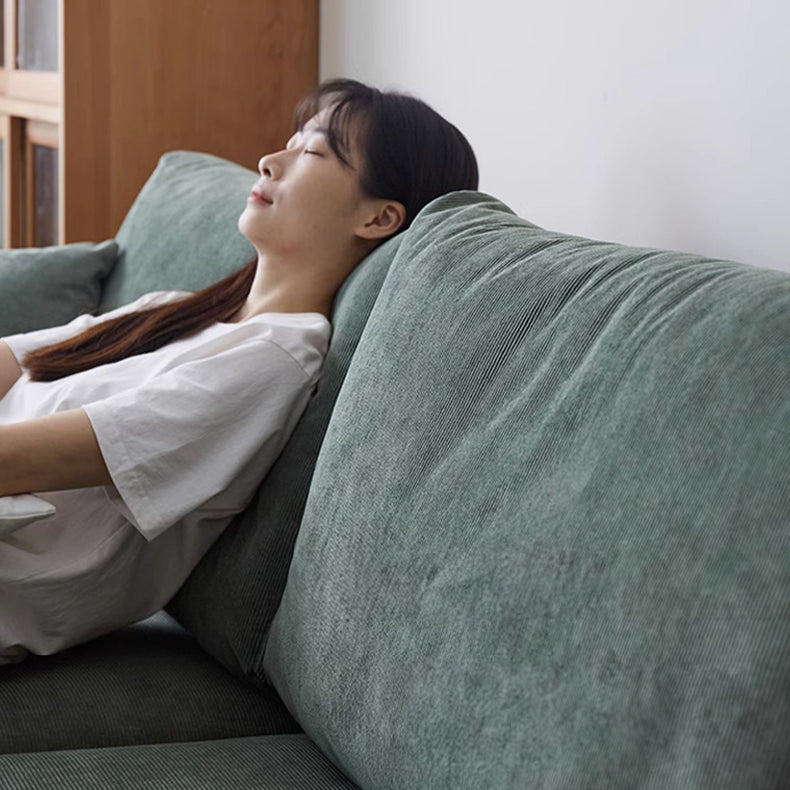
266,762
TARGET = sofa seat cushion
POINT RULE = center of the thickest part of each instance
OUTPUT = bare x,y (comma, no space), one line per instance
147,683
546,541
274,762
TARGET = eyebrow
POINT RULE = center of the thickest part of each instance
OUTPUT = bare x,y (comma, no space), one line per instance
320,129
324,130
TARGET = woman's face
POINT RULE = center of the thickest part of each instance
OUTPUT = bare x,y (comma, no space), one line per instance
306,199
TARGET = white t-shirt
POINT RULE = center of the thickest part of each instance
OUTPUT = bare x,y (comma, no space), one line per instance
187,433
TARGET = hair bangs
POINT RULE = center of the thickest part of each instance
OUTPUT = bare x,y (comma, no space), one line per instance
349,104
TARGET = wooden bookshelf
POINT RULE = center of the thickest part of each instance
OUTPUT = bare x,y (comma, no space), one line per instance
133,79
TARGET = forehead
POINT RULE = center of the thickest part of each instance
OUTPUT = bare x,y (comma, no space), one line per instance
319,121
341,129
316,124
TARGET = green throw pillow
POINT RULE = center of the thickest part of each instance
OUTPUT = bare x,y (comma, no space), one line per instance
48,286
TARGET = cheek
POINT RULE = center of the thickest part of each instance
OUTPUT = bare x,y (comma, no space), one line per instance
330,194
337,206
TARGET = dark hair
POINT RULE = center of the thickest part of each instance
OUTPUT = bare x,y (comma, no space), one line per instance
409,153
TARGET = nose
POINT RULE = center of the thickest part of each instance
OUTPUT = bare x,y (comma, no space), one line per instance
269,166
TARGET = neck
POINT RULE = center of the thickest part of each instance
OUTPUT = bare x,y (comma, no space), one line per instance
300,290
282,301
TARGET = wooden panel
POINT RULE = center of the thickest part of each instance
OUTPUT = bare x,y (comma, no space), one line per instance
5,123
13,131
38,86
202,75
142,77
39,133
85,130
30,109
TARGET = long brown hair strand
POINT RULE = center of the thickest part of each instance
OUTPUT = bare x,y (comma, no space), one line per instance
143,330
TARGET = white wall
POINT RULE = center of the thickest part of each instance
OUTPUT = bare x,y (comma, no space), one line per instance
657,124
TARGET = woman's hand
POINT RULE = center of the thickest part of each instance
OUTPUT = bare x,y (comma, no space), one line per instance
51,454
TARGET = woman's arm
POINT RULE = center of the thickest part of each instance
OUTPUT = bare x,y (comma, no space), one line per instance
9,369
50,454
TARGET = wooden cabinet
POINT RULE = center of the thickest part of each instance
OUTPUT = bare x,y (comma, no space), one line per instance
92,92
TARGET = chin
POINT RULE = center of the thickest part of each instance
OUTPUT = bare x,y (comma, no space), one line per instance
247,228
244,224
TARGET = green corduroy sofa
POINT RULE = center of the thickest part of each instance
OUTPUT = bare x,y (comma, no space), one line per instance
533,531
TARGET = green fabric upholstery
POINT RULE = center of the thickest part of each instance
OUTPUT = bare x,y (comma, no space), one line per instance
231,597
181,232
48,286
275,762
547,538
148,683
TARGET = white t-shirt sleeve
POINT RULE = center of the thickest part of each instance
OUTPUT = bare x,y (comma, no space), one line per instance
22,344
178,441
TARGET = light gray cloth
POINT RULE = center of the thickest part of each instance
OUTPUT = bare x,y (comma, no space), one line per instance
19,510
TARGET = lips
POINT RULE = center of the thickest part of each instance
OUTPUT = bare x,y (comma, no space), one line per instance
259,196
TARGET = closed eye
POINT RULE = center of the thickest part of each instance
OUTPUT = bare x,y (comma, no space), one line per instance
312,151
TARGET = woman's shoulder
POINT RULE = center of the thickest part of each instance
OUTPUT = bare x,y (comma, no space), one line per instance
303,336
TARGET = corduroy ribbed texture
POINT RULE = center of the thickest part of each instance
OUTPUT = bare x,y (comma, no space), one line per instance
148,683
547,541
275,762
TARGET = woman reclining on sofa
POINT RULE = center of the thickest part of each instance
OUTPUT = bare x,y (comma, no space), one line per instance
149,427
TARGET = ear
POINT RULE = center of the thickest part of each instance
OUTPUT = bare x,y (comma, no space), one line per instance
383,219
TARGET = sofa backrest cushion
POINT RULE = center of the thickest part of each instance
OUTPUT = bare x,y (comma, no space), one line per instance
181,231
547,540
